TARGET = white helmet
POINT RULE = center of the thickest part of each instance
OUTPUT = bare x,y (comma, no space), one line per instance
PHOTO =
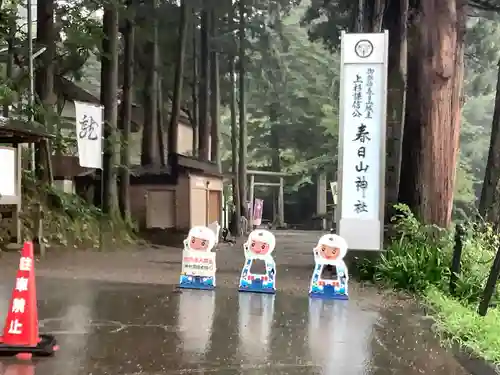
260,243
201,238
331,243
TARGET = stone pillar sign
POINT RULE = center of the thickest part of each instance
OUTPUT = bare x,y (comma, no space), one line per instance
363,101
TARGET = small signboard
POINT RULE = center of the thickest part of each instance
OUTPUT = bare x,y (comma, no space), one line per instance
198,260
198,264
8,182
334,191
330,277
258,207
258,249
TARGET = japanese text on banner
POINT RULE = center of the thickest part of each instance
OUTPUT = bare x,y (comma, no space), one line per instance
89,134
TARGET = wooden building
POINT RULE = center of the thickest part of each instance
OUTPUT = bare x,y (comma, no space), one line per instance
177,195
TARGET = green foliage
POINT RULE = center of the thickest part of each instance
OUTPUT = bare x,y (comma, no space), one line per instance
68,220
291,114
481,64
326,19
419,256
459,324
465,196
474,143
482,55
80,36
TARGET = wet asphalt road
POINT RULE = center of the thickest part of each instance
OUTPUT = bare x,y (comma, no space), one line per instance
106,326
116,328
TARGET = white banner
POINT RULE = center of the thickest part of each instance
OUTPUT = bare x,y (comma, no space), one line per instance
362,143
89,134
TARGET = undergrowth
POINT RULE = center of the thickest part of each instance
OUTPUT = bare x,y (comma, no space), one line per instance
418,258
70,221
459,323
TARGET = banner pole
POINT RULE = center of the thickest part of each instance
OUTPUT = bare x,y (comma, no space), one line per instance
102,210
102,188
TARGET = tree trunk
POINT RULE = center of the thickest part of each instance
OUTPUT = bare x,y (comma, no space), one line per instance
44,81
150,151
194,94
126,116
492,173
173,129
379,8
274,145
242,160
234,148
160,120
433,110
204,90
360,16
215,95
109,90
395,20
10,58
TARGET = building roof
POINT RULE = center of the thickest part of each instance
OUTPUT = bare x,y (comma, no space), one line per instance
21,131
89,93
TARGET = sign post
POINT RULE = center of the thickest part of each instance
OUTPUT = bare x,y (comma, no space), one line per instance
363,102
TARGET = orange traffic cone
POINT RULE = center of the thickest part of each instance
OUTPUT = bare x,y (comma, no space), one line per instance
21,325
20,334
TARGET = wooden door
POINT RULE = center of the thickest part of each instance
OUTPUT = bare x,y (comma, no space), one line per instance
214,206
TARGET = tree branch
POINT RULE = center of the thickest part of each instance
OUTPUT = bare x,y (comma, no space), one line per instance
488,5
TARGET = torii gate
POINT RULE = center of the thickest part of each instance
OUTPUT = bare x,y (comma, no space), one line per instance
280,185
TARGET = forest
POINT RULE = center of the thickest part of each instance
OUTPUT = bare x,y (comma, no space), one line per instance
263,78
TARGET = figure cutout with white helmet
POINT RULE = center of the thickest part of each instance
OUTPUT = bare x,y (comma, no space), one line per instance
258,250
330,277
198,260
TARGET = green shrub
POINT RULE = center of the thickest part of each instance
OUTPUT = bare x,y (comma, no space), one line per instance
480,245
419,256
416,257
